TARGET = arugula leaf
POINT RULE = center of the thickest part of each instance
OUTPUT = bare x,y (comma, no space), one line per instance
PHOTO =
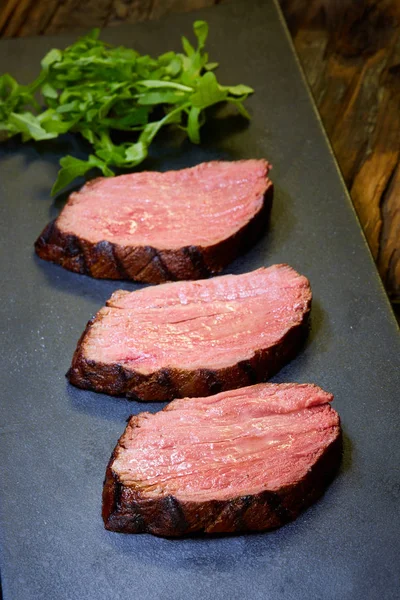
29,126
93,89
165,84
96,162
238,90
200,29
136,153
193,127
49,91
72,167
174,67
151,129
238,102
52,122
8,86
187,46
51,57
208,92
152,98
211,66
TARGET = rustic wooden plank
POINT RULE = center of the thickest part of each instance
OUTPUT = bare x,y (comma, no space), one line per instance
162,7
6,11
18,14
389,251
387,143
130,11
38,18
370,184
32,17
75,14
353,66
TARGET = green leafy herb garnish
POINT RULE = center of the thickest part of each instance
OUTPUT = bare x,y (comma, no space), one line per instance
93,88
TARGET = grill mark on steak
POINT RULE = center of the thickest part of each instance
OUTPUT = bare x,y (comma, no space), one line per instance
74,249
165,380
119,264
81,262
251,373
65,249
166,274
231,516
47,236
151,252
213,381
123,375
274,502
196,258
172,515
291,427
100,260
72,241
244,504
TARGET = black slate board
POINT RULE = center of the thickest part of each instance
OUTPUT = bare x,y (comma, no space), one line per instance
56,440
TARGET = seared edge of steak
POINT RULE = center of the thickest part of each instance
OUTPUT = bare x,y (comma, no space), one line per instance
126,509
106,260
169,383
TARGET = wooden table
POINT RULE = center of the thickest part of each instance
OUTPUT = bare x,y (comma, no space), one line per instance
350,52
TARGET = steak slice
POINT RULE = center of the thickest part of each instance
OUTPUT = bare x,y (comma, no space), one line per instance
243,460
156,227
194,338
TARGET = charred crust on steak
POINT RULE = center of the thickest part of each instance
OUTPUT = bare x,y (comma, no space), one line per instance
250,372
164,379
212,381
197,259
129,508
148,264
171,515
165,274
166,383
264,511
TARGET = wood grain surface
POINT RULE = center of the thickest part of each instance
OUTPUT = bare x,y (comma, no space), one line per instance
350,52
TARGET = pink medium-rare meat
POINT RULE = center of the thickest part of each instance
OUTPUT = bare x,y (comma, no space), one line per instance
194,338
156,227
242,460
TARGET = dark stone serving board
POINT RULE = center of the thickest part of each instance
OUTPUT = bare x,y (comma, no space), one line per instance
56,440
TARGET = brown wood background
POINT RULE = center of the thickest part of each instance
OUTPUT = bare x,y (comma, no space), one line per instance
350,51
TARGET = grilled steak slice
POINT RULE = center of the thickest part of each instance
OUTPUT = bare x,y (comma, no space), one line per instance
156,227
243,460
194,338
